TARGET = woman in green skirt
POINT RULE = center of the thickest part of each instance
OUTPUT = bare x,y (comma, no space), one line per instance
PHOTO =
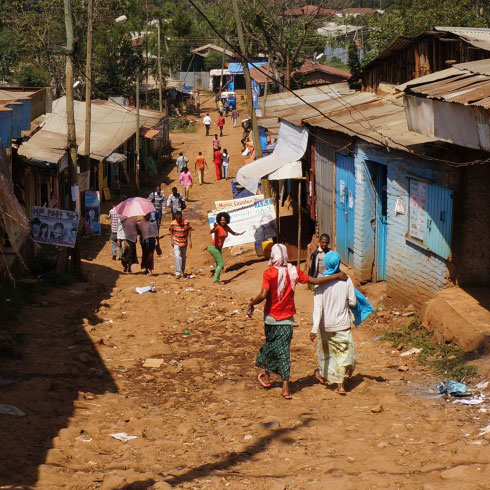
278,285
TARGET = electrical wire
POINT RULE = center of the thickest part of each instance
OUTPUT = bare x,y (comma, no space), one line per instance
364,137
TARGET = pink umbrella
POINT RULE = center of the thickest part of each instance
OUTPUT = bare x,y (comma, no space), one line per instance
135,206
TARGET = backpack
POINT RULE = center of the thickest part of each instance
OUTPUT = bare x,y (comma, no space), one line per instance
183,205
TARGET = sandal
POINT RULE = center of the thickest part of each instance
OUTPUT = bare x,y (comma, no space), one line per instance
286,397
263,383
316,373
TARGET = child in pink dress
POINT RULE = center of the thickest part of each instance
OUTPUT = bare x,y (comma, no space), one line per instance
186,181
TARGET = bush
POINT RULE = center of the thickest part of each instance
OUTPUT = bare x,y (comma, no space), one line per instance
32,76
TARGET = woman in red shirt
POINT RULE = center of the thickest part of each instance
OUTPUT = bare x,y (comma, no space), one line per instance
220,231
218,164
278,287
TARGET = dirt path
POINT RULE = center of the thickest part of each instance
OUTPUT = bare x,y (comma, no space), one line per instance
201,419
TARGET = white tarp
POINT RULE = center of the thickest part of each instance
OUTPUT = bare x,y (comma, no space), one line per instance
291,146
292,170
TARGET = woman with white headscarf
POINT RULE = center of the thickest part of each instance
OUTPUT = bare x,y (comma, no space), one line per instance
278,286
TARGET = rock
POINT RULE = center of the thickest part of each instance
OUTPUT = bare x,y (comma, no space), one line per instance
382,444
377,409
403,368
112,481
456,473
273,424
161,485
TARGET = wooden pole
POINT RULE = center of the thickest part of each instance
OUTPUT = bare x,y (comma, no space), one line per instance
160,79
137,161
266,187
222,68
278,231
299,223
266,84
147,63
88,83
71,138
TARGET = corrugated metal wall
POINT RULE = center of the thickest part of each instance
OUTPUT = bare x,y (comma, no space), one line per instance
325,187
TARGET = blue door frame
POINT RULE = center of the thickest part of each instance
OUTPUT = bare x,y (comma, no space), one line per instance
345,205
381,221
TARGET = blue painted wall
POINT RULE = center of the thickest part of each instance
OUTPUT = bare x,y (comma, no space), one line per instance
6,126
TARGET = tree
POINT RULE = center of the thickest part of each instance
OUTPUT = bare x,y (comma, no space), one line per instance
410,17
354,66
30,75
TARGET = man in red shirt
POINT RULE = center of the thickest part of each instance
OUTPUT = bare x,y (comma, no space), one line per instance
220,123
218,164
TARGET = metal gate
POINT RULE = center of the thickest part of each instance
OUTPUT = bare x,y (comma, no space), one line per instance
345,200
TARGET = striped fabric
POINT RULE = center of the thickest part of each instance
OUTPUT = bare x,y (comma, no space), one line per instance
157,200
114,219
180,232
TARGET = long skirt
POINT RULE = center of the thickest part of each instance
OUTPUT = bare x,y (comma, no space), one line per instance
336,355
274,354
147,251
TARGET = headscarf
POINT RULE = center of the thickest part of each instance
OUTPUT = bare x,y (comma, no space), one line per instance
279,260
332,263
363,308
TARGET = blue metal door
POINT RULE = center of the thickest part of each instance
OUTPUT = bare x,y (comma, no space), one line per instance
381,221
345,197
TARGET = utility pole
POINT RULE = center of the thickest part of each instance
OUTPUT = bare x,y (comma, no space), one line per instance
147,62
137,161
160,81
266,83
255,129
88,83
71,138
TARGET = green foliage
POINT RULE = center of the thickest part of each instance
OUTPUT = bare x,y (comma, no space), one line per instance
446,359
9,53
411,17
214,60
30,75
354,66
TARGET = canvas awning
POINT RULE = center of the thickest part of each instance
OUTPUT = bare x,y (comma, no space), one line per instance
116,158
151,133
291,146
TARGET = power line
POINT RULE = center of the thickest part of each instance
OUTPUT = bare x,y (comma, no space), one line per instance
401,145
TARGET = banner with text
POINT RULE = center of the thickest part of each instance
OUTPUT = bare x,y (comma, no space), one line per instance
258,221
54,226
238,203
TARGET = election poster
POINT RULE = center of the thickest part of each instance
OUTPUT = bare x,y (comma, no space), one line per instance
53,226
257,220
92,213
238,203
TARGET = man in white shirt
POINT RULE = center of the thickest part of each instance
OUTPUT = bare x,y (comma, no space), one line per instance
207,123
332,319
127,235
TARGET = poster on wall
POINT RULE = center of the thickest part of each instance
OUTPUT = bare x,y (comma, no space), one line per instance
240,202
258,221
92,213
53,226
418,193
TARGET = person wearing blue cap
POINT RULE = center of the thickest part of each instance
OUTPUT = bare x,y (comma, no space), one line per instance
332,320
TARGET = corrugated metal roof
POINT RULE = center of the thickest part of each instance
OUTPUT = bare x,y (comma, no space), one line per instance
376,119
464,83
476,36
112,125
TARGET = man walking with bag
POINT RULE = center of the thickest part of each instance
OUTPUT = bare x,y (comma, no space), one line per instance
180,238
176,202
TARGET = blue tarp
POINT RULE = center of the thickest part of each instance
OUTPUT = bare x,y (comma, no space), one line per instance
237,69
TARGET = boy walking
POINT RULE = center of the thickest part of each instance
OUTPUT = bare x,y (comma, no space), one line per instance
180,238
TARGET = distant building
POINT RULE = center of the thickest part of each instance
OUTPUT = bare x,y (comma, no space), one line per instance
317,74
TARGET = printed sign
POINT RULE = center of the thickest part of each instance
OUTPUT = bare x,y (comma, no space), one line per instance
53,226
238,203
258,221
92,212
418,193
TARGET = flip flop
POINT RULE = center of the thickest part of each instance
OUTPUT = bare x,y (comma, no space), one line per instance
263,383
286,397
316,373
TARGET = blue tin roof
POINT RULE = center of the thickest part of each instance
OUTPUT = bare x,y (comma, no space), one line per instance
237,69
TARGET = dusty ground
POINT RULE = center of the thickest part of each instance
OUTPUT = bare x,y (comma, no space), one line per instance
201,419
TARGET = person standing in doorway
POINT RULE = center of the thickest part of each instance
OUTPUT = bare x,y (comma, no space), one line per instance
220,231
216,143
200,165
234,117
176,202
226,162
186,182
180,239
206,121
221,124
218,164
114,224
157,198
181,162
317,259
149,239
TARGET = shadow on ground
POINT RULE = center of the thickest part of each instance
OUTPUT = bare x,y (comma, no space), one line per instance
57,361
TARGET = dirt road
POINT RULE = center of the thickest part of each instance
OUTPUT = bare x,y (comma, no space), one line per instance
201,419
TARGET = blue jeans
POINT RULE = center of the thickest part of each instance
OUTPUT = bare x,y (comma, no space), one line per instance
158,218
114,243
